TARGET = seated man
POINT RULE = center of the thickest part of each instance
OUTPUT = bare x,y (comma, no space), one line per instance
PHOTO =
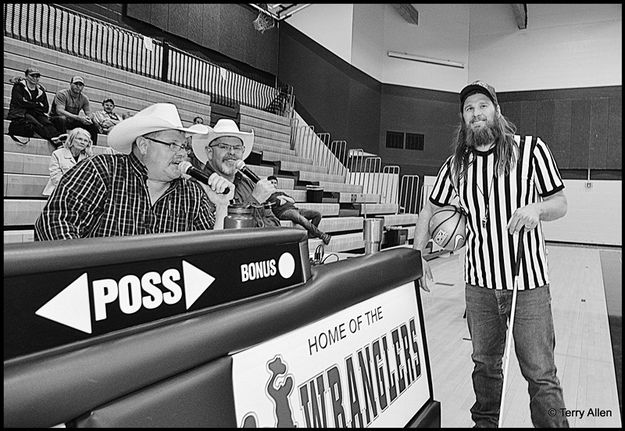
198,120
220,150
66,107
106,118
139,191
28,109
284,208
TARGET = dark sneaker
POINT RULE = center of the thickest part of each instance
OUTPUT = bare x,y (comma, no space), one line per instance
58,141
325,238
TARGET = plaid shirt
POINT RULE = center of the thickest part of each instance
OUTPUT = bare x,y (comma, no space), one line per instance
107,195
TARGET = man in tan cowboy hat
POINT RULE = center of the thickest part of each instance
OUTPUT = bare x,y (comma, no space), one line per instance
219,150
137,190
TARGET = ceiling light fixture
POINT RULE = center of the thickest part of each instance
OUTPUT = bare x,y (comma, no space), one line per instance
422,59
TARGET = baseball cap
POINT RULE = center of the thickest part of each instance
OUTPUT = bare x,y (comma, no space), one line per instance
478,87
32,70
76,79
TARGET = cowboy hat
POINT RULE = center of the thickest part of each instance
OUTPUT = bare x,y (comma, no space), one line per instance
160,116
224,127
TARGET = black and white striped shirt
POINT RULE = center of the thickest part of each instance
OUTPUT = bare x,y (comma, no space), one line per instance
491,250
107,195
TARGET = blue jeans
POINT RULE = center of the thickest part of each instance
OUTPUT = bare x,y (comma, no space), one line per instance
309,219
534,344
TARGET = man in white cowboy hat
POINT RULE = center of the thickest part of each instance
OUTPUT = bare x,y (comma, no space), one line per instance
219,150
137,190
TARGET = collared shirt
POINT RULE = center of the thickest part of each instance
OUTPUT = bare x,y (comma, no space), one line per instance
107,195
99,117
490,253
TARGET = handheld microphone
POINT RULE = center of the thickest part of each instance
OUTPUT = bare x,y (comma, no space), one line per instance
240,165
186,168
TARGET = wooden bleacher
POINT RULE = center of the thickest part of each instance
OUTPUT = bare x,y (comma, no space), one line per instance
131,92
26,167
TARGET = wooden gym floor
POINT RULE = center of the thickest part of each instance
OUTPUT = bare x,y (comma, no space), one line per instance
583,347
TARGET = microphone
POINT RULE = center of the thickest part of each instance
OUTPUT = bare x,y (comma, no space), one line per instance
186,168
240,165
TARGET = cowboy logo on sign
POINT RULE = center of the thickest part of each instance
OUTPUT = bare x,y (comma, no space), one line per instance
279,387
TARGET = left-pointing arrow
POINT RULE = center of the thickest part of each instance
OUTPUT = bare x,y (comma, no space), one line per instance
71,306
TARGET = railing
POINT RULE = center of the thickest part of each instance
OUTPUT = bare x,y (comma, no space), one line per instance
410,195
57,28
318,148
367,170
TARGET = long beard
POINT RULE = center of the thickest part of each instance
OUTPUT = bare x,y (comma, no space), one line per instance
481,137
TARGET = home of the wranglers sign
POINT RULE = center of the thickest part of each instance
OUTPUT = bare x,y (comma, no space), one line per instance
364,366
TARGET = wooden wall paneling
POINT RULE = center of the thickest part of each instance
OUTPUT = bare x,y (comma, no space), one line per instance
177,19
562,133
544,125
194,26
158,17
231,39
512,111
580,135
615,133
363,116
598,142
528,117
211,16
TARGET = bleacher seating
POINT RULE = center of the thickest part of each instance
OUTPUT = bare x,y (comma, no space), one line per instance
344,206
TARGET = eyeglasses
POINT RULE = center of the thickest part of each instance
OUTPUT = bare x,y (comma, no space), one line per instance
236,148
173,146
35,75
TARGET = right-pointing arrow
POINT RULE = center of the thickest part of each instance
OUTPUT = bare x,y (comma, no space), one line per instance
70,307
196,282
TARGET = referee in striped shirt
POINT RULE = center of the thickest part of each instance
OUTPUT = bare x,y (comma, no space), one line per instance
505,183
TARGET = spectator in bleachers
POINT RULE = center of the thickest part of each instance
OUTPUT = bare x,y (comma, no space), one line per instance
284,208
105,119
139,190
28,109
198,120
220,150
66,108
75,148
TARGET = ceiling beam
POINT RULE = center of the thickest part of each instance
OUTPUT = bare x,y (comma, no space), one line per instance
408,12
520,15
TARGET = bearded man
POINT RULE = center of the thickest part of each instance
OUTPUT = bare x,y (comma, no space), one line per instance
507,184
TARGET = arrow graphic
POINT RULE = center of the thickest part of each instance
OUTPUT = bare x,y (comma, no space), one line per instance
71,306
196,282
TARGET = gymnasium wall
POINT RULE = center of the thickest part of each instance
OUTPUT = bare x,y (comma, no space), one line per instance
594,216
225,28
578,49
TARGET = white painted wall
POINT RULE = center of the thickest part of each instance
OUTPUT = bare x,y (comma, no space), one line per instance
442,33
368,38
564,46
330,25
594,214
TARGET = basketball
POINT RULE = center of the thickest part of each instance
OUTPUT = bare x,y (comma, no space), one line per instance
448,228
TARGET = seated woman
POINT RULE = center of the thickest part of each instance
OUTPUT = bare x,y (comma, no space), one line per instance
77,146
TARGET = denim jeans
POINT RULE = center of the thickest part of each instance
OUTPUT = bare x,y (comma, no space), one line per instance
534,344
309,219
